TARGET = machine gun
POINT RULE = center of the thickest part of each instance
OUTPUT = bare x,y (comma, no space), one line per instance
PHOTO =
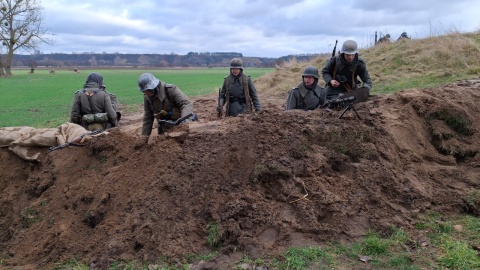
78,141
342,102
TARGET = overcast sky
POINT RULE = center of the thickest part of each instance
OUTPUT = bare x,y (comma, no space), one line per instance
267,28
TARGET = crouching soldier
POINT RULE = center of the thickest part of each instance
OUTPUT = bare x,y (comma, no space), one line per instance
92,107
161,101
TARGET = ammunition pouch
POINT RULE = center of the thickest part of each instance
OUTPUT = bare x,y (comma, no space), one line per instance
95,118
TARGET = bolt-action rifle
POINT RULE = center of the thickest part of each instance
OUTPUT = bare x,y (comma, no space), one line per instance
176,122
78,141
220,107
334,48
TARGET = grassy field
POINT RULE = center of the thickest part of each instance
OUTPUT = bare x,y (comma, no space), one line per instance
44,100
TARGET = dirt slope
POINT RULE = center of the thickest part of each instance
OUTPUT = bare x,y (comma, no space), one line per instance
268,181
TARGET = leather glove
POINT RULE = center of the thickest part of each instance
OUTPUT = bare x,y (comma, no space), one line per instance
160,115
141,141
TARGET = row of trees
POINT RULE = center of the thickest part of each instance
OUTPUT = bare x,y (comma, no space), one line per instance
20,29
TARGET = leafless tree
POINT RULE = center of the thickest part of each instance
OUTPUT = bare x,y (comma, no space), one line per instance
21,28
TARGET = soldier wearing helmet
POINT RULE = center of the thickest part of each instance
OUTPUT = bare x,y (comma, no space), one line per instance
308,95
92,107
403,35
385,38
238,92
341,73
161,101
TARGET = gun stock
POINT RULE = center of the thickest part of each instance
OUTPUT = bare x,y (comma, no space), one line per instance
220,110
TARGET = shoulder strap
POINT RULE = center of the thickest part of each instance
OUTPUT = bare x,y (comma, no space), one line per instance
248,101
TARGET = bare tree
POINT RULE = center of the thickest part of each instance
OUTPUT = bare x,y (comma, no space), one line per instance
21,28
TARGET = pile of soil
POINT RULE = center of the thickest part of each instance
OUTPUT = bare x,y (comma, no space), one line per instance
268,181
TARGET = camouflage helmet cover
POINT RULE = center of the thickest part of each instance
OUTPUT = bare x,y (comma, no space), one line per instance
147,81
349,47
311,71
236,63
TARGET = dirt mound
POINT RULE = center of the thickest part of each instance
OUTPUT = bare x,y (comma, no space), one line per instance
267,181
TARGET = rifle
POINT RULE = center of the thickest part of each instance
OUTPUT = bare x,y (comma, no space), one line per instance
176,122
77,140
220,110
334,48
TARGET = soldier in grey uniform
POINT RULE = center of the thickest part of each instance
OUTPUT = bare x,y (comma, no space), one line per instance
341,72
238,92
308,95
92,101
161,101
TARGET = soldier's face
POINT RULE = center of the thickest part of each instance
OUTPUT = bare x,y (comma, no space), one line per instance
148,93
308,80
349,57
235,71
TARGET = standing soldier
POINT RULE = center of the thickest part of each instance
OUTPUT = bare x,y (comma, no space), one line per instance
92,107
161,101
238,92
308,95
341,73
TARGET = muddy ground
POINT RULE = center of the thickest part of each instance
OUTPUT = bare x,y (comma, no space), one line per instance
269,181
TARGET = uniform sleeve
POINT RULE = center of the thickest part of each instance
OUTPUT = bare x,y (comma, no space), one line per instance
365,77
253,95
182,101
147,117
75,112
327,77
223,92
291,100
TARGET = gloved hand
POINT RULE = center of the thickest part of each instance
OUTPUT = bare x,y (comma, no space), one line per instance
141,141
219,109
160,115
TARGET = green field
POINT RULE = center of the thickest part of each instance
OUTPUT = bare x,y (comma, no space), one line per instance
44,100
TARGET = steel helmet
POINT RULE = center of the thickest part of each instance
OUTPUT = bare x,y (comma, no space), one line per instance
236,63
311,71
349,47
95,77
404,34
387,35
147,81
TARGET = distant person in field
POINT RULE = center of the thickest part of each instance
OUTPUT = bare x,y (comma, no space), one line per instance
238,92
384,39
92,107
308,95
161,101
403,36
341,72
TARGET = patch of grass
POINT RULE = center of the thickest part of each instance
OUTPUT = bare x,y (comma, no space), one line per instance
72,264
456,122
29,217
458,255
302,258
214,235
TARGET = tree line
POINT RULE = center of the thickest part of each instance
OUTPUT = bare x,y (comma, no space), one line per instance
191,59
